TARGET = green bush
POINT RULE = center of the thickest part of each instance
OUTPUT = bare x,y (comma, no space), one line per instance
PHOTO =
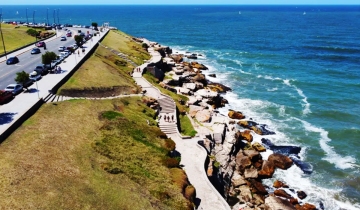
169,144
171,162
190,193
111,115
144,45
32,32
216,164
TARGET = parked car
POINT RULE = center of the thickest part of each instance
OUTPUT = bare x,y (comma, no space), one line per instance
12,60
40,44
64,54
35,76
41,69
35,51
63,38
14,88
62,48
82,34
75,46
79,31
5,96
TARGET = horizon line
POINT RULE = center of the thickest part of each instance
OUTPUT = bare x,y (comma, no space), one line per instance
181,4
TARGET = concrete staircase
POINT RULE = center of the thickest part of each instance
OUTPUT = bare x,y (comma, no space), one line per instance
167,105
54,98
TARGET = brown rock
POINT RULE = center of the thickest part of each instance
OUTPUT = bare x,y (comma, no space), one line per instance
258,187
258,164
252,154
258,147
267,170
242,162
203,116
237,179
282,193
278,203
236,115
301,194
280,161
308,206
294,201
246,135
198,66
245,194
278,184
258,199
251,173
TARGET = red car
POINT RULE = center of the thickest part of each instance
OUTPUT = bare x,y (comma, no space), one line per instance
5,95
40,44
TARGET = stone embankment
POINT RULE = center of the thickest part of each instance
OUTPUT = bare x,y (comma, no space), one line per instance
235,165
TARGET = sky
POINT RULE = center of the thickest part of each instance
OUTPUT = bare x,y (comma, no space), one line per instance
180,2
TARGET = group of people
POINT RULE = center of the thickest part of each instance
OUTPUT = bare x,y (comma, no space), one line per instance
167,118
138,69
57,70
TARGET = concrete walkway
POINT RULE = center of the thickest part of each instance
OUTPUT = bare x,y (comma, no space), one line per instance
193,156
23,102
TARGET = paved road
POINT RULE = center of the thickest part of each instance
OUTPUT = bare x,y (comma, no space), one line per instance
28,62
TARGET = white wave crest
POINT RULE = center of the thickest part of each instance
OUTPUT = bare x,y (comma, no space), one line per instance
306,104
331,155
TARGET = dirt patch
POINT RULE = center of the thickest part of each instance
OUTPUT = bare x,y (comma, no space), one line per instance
99,92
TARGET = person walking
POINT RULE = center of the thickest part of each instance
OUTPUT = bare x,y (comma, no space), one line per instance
79,53
172,118
59,69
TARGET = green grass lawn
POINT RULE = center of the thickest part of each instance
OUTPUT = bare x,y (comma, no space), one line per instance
121,44
15,37
91,154
103,70
186,127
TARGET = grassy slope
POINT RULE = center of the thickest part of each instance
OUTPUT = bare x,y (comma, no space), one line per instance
121,44
102,70
15,37
61,158
186,127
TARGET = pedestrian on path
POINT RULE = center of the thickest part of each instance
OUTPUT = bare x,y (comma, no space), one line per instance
59,69
55,69
83,50
172,118
79,53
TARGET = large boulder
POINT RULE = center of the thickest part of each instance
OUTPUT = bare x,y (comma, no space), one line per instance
198,66
259,129
280,161
282,193
276,203
253,155
194,109
236,115
279,184
301,194
251,173
246,135
203,116
258,147
307,206
258,187
237,180
242,162
267,170
245,194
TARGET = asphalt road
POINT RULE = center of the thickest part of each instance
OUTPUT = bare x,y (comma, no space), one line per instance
28,62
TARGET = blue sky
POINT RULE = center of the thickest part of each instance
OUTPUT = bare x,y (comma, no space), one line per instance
198,2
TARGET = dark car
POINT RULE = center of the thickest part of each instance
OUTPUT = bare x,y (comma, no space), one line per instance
41,69
5,96
40,44
79,31
35,51
12,60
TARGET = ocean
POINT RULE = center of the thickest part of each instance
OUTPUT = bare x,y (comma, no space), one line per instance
294,68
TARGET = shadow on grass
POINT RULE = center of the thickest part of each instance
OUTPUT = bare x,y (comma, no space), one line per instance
6,118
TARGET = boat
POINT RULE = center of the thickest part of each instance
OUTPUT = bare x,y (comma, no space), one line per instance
304,13
239,13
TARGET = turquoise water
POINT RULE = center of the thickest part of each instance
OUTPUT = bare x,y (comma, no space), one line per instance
299,74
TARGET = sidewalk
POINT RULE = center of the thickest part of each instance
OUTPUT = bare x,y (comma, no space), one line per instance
192,155
26,49
13,110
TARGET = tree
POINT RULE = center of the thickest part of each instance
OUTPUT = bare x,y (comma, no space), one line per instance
22,78
94,24
48,57
78,40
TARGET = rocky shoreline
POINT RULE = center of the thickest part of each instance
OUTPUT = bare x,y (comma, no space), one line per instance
235,165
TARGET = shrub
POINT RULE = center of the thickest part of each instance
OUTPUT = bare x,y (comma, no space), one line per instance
216,164
161,134
170,145
32,32
22,77
190,193
111,115
171,162
48,57
144,45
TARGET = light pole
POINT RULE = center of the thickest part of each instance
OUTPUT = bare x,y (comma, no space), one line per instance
2,36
